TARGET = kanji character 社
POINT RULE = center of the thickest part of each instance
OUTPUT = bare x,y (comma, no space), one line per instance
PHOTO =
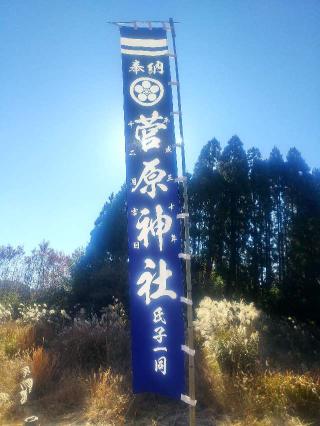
148,281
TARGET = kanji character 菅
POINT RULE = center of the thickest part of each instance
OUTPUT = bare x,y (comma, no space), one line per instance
147,129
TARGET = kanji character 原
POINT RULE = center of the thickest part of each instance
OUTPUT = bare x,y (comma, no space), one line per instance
152,177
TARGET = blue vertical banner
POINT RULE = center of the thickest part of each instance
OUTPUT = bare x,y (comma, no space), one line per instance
154,234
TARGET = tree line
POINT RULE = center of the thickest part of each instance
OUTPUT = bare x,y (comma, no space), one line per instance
256,225
255,233
42,275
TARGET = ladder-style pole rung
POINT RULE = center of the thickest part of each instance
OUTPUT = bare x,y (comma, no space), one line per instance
188,350
182,215
185,256
181,179
191,400
188,400
186,301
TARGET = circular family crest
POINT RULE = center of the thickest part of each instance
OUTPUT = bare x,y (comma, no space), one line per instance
146,91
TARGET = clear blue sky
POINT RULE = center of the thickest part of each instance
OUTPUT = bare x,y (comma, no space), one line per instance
250,68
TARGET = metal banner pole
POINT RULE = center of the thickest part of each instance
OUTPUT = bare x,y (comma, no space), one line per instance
192,409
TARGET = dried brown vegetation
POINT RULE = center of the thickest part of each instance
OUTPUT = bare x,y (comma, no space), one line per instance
80,370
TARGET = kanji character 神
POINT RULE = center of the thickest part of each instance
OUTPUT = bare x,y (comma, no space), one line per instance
157,227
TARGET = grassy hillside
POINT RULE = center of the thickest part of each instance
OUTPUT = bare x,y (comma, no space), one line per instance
251,369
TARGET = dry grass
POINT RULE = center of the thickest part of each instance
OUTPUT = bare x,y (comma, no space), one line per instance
210,382
108,398
286,392
82,371
15,337
10,373
266,421
89,344
237,376
44,370
67,395
68,368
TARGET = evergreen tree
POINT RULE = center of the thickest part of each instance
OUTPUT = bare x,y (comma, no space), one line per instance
101,273
205,196
255,226
235,201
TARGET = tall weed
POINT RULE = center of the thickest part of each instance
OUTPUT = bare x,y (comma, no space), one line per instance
244,367
108,398
44,369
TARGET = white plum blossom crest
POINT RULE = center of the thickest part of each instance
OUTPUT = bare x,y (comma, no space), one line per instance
146,91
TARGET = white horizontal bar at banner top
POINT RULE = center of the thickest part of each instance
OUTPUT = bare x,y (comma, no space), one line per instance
144,52
140,42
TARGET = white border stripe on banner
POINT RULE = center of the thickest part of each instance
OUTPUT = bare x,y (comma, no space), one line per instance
145,52
140,42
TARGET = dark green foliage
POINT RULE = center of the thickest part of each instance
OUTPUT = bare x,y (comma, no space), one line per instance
255,233
101,273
